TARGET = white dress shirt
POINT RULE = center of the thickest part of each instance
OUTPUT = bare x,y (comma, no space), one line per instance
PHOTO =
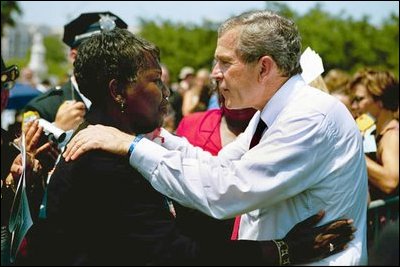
310,158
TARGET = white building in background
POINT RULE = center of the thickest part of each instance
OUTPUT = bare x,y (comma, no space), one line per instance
37,62
16,42
27,39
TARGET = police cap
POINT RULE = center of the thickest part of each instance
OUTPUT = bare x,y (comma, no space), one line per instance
89,24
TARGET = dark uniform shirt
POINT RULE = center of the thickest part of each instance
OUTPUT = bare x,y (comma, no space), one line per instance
48,103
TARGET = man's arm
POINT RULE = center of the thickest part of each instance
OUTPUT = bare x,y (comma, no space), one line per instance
213,184
98,137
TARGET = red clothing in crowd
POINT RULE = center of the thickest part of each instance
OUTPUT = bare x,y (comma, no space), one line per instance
202,129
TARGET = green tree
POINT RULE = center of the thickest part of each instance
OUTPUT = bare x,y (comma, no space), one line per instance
386,45
182,44
281,8
8,9
56,56
346,43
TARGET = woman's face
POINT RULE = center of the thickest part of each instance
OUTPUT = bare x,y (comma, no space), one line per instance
146,99
363,102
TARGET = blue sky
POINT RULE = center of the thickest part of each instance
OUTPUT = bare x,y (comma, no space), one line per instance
58,13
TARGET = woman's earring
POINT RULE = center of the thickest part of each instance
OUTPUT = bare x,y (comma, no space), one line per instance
122,103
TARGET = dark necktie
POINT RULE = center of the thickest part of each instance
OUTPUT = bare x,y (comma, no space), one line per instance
254,141
258,134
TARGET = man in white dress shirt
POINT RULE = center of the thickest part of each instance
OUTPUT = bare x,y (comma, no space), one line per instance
309,158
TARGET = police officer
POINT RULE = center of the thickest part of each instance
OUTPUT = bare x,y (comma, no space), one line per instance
66,105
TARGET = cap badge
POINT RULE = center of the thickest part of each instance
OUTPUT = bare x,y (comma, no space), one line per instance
107,22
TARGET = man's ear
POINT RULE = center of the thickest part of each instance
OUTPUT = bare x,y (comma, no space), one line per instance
73,53
266,63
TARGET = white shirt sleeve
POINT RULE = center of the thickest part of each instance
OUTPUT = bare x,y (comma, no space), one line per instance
276,169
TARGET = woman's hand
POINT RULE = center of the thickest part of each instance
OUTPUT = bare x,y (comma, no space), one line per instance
33,168
37,157
307,243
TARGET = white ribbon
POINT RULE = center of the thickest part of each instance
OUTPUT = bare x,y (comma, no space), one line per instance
20,218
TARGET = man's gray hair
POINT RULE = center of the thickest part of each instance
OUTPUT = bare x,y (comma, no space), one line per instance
266,33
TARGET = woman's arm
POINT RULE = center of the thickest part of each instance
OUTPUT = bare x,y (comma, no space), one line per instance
385,176
303,243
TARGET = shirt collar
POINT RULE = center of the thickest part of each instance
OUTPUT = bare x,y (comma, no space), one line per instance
280,99
85,100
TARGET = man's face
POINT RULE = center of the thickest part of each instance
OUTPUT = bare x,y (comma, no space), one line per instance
236,80
146,99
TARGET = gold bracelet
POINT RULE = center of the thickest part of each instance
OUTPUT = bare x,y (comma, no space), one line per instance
283,250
